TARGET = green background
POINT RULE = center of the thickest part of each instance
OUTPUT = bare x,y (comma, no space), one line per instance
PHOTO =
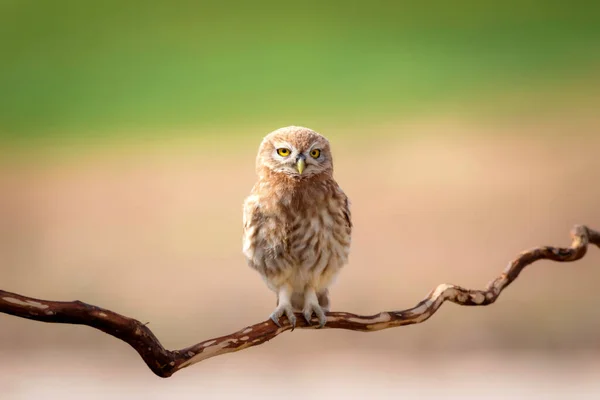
82,69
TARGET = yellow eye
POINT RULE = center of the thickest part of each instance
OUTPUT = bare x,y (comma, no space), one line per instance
283,152
315,153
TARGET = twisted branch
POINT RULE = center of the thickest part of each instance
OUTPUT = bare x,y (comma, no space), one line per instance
165,363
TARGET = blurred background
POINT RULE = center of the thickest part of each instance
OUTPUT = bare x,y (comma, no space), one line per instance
463,132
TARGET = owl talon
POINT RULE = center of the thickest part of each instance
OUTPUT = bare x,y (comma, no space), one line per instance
292,319
318,311
322,319
307,316
289,313
275,319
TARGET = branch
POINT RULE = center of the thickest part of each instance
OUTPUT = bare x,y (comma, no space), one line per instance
165,363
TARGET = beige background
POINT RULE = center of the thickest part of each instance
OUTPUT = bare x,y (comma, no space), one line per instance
155,233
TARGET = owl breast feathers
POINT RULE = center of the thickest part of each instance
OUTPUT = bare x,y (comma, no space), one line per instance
297,225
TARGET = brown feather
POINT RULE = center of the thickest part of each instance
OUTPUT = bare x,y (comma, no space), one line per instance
297,228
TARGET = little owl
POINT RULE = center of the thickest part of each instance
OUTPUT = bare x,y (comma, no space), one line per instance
297,223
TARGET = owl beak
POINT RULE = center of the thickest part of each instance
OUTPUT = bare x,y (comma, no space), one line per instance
300,164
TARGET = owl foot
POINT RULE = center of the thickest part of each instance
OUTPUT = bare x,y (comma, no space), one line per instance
314,308
284,309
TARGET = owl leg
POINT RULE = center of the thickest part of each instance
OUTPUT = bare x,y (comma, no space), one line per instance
311,306
284,306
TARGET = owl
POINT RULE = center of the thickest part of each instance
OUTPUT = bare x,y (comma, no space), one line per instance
297,222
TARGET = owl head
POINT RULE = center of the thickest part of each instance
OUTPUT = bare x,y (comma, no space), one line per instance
296,152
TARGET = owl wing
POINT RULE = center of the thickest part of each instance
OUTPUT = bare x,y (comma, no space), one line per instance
252,220
347,214
345,209
265,243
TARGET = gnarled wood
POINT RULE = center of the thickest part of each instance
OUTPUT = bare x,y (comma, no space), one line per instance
165,362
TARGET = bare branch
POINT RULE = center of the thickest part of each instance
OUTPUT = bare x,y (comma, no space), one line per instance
165,363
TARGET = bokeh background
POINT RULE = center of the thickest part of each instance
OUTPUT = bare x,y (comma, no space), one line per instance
463,132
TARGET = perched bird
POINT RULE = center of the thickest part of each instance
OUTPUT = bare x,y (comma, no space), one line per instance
297,224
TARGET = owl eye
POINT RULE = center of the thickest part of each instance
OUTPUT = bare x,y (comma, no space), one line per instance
283,152
315,153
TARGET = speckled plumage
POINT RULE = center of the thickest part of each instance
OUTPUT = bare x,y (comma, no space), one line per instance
297,225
